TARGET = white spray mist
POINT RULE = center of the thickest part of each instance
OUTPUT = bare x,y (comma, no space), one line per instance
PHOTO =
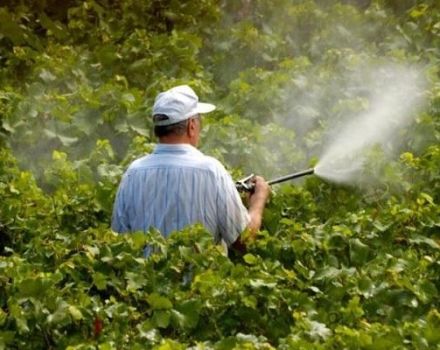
394,102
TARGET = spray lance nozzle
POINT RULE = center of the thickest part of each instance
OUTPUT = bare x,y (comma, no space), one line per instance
246,184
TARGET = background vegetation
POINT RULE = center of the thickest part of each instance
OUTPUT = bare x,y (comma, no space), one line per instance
334,268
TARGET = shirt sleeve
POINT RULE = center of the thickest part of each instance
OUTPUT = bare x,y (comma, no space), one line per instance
232,215
120,222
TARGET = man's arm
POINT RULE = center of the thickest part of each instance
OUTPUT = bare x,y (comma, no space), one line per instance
257,202
120,222
232,217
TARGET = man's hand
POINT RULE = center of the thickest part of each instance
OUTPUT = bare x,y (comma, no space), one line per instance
261,191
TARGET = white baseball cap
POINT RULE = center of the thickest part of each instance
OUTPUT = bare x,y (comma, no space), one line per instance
178,104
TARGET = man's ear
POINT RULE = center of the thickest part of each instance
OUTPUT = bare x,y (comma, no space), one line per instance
191,127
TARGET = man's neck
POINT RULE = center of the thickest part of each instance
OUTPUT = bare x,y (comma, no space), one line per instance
174,140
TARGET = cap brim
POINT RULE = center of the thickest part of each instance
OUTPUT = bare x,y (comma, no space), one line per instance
204,108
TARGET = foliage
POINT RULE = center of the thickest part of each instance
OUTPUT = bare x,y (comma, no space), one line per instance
335,267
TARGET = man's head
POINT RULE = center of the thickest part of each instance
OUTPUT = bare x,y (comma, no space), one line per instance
176,115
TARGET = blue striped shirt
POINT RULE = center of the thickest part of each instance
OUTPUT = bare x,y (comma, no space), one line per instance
176,186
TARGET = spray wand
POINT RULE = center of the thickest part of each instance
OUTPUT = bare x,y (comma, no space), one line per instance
246,184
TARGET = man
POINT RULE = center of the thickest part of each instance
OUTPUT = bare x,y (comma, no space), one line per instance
177,185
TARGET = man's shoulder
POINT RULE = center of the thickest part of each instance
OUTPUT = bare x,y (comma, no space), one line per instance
139,162
213,164
195,160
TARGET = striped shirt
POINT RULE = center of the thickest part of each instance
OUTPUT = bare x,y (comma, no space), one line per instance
176,186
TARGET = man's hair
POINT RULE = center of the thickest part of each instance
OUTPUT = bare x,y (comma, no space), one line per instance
177,129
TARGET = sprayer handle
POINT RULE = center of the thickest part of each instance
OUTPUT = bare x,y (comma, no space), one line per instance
245,184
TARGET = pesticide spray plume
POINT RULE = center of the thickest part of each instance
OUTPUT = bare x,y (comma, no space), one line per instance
393,104
394,100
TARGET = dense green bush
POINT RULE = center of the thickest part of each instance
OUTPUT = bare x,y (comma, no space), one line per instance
335,267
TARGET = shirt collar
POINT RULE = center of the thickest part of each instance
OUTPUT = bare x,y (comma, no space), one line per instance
179,148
